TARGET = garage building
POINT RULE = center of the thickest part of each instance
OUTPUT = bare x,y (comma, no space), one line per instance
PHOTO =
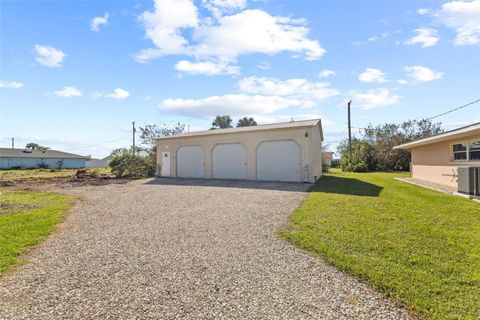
288,151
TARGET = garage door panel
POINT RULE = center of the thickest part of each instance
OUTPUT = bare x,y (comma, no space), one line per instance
229,161
279,161
190,162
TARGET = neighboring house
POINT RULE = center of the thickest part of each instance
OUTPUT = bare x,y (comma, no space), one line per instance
28,159
327,157
96,163
437,158
288,151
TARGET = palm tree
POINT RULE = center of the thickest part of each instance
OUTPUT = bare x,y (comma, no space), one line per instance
246,122
221,122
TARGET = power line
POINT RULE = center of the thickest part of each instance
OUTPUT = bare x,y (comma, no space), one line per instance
438,115
98,144
455,109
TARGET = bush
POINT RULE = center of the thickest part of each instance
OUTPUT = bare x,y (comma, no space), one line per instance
325,167
42,165
132,166
349,166
360,160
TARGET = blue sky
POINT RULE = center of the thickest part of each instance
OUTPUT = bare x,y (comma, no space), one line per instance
75,74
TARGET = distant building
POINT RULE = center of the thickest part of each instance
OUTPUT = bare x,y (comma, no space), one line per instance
327,157
96,163
29,159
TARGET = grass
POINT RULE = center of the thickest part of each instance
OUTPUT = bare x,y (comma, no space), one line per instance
420,247
25,174
26,218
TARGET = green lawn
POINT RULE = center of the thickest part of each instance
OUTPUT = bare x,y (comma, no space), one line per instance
420,247
26,218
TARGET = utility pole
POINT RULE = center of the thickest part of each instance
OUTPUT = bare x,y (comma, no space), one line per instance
349,131
13,143
133,137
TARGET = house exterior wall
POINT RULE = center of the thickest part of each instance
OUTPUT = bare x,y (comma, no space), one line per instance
434,162
96,163
28,163
310,148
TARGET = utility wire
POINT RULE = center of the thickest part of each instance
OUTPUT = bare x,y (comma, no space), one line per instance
98,144
455,109
436,116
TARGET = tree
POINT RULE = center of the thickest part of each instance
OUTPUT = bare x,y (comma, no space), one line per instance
384,137
361,157
221,122
132,166
246,122
35,146
152,131
374,149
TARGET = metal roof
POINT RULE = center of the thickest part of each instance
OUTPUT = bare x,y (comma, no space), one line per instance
21,153
445,136
272,126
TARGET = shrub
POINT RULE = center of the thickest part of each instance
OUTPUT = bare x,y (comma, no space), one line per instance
132,166
325,167
42,165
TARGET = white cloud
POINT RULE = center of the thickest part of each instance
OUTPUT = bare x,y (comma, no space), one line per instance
207,68
375,98
463,17
232,104
164,25
402,81
423,11
427,37
295,88
422,74
255,31
11,85
264,65
49,56
372,75
96,22
382,36
68,92
325,73
224,37
220,7
118,94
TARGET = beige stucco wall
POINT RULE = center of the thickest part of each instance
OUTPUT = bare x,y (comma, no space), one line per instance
434,162
310,148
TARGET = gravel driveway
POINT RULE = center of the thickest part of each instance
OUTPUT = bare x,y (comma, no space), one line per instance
180,249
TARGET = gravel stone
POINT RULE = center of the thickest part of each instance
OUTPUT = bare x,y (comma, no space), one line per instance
183,249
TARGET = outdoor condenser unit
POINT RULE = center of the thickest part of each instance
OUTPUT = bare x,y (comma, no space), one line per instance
469,180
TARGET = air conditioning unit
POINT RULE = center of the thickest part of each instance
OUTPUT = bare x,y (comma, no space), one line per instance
469,180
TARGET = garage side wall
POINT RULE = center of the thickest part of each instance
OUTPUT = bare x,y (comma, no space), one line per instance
308,138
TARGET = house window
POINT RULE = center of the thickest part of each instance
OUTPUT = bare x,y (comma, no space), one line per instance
474,151
466,151
460,151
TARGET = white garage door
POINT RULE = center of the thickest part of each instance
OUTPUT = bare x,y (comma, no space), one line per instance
229,161
279,161
190,163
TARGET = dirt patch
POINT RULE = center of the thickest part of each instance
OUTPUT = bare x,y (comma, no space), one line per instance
7,209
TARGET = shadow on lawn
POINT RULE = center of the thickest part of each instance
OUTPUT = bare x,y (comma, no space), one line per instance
350,186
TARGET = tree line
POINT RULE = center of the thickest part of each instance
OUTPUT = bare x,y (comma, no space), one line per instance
373,149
